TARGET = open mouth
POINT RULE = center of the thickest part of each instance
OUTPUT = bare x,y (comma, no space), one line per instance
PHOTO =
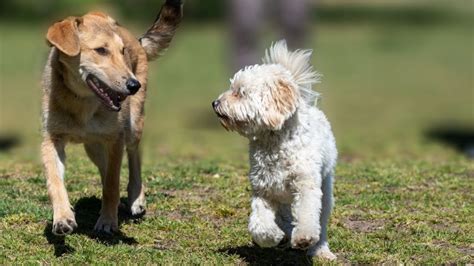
223,119
216,110
221,116
110,98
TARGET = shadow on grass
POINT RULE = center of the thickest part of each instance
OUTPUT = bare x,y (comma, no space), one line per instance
7,142
255,255
458,137
87,212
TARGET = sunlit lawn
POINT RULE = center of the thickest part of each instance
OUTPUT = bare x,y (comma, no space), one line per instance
400,195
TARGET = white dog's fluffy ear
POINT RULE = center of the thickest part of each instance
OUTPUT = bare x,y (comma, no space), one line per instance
299,64
285,101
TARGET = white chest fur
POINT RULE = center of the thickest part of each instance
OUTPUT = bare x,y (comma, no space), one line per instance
304,149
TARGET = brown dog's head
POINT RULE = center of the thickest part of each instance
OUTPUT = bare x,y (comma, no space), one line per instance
95,58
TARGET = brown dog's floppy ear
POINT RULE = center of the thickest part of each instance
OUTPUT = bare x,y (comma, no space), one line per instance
285,101
64,36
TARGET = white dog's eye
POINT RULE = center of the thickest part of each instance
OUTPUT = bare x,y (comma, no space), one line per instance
236,93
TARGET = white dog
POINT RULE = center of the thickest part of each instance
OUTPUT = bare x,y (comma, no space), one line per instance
292,149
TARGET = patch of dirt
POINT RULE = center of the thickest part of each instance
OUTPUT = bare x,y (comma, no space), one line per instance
5,176
163,244
363,226
464,250
467,250
445,228
470,174
171,215
168,193
195,193
349,158
20,172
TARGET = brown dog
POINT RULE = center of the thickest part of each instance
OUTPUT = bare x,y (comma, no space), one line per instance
94,88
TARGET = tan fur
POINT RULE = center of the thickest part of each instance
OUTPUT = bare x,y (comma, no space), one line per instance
285,101
63,35
285,98
73,113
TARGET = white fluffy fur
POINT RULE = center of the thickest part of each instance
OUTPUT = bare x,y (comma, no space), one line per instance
298,63
291,163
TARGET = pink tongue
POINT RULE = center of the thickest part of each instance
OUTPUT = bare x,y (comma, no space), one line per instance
112,99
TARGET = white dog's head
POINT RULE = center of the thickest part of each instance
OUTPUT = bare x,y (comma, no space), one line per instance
262,97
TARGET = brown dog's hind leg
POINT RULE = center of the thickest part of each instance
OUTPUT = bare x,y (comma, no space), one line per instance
53,156
108,219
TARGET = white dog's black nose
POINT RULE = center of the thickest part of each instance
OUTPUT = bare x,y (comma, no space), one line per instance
133,85
215,104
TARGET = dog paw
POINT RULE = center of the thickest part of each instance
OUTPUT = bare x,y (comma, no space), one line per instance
323,252
138,206
267,237
326,254
303,240
64,226
267,241
106,225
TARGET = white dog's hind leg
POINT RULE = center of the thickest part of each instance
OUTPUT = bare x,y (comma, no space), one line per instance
306,210
262,226
321,249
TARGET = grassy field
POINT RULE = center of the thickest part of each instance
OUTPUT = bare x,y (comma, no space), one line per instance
388,89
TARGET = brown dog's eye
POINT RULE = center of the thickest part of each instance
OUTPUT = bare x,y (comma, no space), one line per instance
101,51
123,50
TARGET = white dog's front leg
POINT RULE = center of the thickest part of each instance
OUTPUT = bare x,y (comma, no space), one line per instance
265,232
306,209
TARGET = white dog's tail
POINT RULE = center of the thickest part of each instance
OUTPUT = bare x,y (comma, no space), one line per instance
298,63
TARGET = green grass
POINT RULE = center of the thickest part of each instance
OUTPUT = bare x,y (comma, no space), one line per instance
401,197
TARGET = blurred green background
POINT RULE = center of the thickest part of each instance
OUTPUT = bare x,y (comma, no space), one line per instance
394,71
397,88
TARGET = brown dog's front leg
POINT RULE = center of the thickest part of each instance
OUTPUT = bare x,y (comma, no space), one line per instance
136,190
108,220
53,156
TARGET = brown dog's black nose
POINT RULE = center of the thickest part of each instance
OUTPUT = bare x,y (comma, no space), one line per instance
133,85
215,104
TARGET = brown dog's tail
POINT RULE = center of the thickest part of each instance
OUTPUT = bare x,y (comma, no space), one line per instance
158,37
